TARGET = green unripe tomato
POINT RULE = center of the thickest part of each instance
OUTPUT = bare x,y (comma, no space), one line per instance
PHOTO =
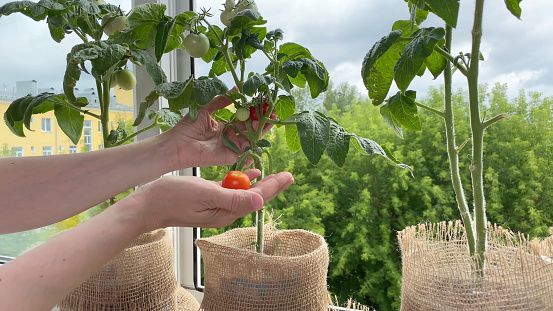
242,114
113,81
226,16
196,44
125,79
117,24
229,5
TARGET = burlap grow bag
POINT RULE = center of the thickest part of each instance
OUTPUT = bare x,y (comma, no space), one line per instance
438,273
141,277
290,275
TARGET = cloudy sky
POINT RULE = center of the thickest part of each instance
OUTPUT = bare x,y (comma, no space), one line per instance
339,33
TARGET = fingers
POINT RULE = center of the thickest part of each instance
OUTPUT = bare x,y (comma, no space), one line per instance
271,186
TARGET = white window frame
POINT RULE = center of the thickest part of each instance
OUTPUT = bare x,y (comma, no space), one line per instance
100,129
33,150
73,149
18,151
46,125
178,66
87,126
47,150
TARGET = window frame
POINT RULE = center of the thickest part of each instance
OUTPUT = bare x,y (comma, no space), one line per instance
46,123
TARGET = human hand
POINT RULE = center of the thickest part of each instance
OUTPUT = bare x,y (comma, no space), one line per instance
186,201
199,143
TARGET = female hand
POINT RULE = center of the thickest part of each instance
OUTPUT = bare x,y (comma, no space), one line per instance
199,143
187,201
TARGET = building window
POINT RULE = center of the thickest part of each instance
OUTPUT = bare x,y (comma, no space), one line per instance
100,147
47,150
87,128
17,151
33,149
47,125
100,127
73,149
61,148
32,120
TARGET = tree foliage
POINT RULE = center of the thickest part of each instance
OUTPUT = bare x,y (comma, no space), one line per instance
359,208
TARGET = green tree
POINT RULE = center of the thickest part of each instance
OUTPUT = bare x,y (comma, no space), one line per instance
343,96
6,151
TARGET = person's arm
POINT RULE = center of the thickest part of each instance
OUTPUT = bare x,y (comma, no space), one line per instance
38,191
40,278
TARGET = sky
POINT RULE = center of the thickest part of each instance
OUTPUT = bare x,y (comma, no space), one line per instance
338,33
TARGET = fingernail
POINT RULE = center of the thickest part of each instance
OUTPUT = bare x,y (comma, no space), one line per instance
257,203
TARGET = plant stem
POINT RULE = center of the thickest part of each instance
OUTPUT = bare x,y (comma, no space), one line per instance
133,135
224,50
260,215
477,129
104,97
452,151
436,111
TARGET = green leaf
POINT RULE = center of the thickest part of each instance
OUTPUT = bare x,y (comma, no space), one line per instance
29,8
166,119
254,82
144,105
401,111
222,115
338,144
514,7
148,13
435,63
313,130
243,20
285,107
263,143
206,89
377,69
229,143
414,55
70,121
370,147
149,63
163,32
448,10
292,138
41,103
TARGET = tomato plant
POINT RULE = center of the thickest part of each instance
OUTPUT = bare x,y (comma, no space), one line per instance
236,180
143,35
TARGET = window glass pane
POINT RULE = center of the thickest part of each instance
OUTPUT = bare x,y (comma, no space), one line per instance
32,63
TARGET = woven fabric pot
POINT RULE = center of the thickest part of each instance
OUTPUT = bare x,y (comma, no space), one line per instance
438,273
141,277
290,275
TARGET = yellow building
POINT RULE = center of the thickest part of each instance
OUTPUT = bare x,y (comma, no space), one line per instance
46,138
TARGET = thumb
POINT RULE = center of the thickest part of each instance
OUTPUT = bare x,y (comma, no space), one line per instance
239,202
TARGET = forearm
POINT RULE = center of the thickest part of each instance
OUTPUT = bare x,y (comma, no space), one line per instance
54,188
40,278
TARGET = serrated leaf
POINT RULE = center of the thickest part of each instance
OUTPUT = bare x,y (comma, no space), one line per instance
70,121
166,119
254,82
206,89
243,20
285,107
292,138
144,105
370,147
149,63
222,115
377,69
415,53
313,130
163,32
338,144
401,111
448,10
435,63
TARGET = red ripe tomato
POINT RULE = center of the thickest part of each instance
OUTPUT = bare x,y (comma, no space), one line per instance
253,112
236,180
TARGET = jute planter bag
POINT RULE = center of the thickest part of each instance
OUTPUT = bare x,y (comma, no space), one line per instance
438,273
140,278
290,275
